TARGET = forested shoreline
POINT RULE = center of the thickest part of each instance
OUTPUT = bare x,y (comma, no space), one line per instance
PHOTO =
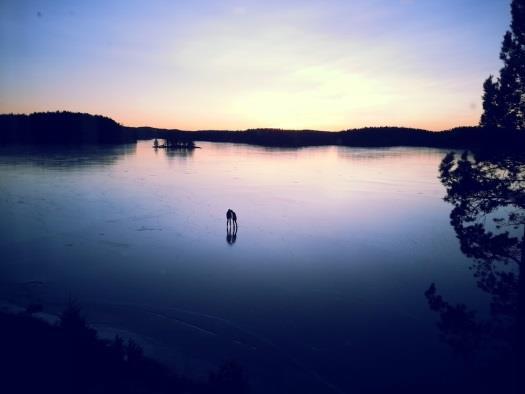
67,128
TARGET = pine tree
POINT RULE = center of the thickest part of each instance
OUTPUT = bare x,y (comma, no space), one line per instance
518,30
490,117
508,95
504,100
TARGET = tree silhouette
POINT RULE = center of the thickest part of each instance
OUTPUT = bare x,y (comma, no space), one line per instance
488,195
504,99
491,116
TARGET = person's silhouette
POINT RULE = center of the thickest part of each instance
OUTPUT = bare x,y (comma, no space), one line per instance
231,234
228,217
234,218
231,218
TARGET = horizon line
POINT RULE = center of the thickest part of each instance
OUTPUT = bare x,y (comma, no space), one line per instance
246,129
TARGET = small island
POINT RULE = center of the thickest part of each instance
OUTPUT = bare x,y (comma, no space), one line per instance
174,144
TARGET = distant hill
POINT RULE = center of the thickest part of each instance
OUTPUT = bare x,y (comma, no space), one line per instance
77,128
62,128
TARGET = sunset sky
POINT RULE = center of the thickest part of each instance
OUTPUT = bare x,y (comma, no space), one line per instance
224,64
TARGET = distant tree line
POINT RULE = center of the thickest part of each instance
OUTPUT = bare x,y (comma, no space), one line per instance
66,128
457,138
63,128
504,96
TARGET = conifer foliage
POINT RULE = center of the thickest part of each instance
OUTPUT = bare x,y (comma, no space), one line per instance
504,97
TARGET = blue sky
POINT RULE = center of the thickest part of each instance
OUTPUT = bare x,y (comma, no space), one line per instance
235,64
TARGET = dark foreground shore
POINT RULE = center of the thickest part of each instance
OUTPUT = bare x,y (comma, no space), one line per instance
68,357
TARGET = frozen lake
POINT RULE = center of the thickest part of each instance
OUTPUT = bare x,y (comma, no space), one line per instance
322,290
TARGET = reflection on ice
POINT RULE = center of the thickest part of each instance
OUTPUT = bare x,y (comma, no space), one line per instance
338,245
